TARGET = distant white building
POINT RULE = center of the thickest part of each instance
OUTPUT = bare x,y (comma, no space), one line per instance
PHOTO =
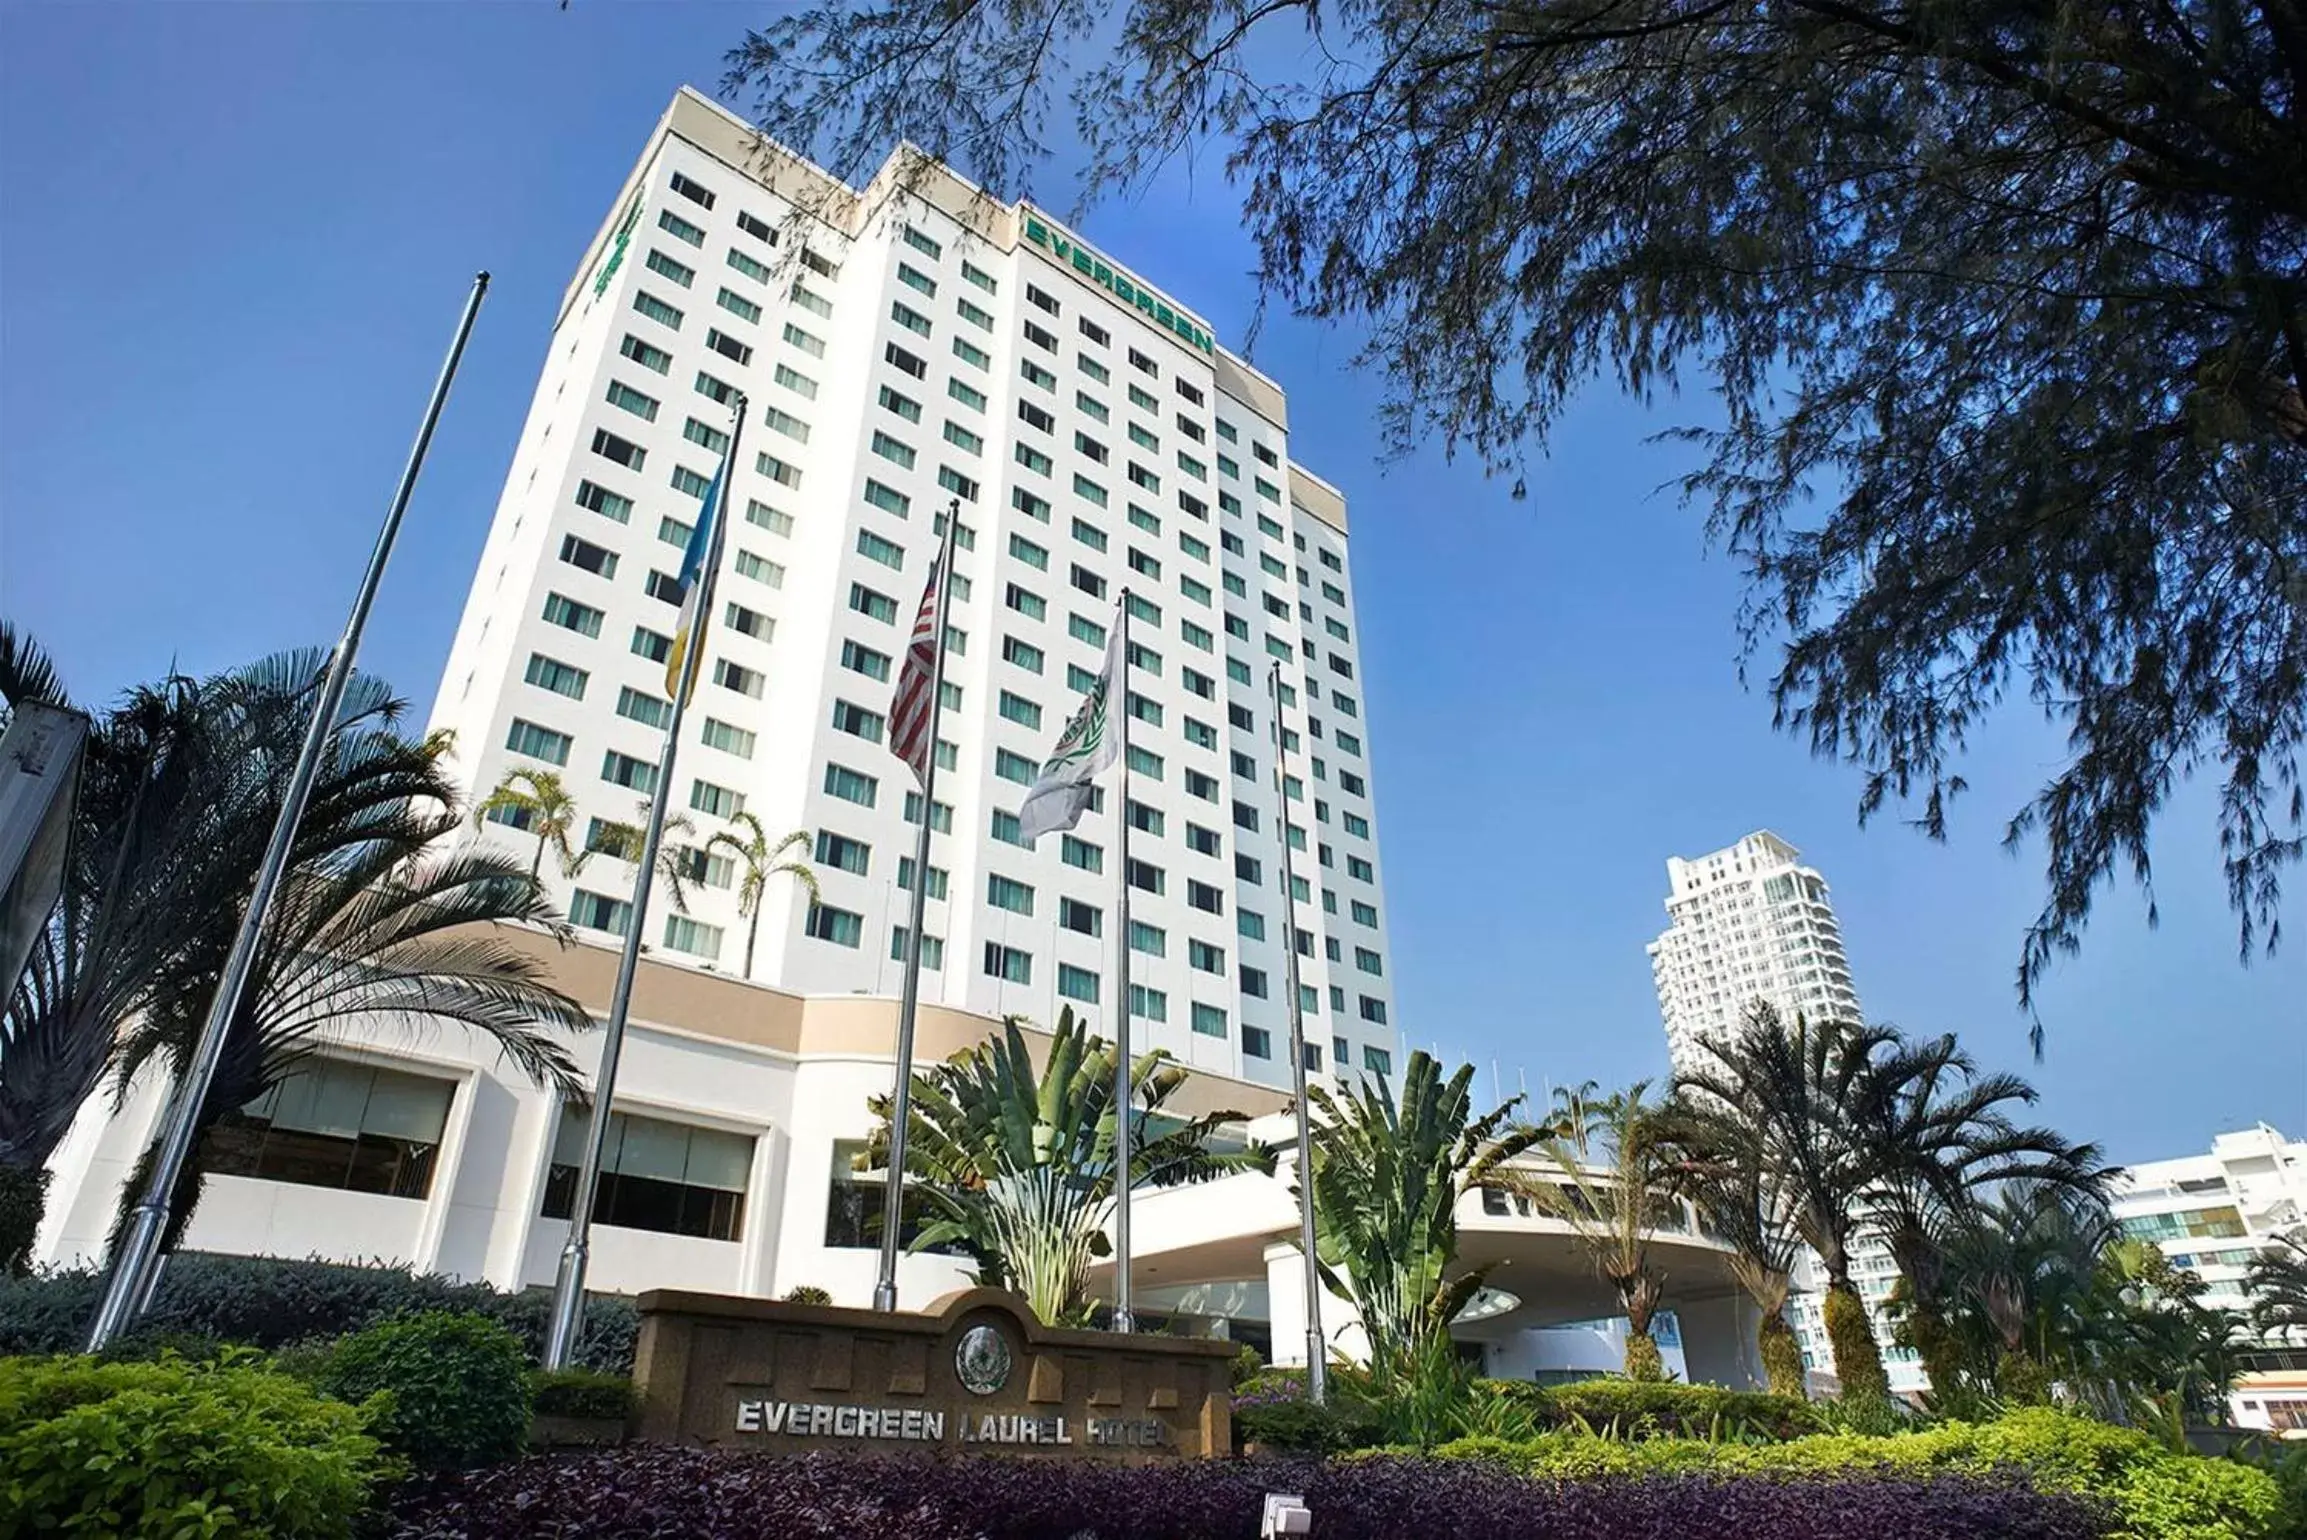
1746,923
2212,1214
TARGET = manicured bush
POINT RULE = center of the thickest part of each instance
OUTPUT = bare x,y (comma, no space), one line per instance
807,1294
1629,1409
458,1387
2152,1492
269,1302
1271,1411
641,1492
172,1448
581,1393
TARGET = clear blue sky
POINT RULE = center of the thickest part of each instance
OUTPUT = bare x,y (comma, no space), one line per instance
233,239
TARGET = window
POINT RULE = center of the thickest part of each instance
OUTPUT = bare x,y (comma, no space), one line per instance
1254,982
887,499
857,721
839,926
1008,893
1016,708
1147,876
1012,965
940,816
727,738
1368,961
887,552
1206,958
719,801
655,1175
623,451
1143,364
1088,582
976,315
1087,490
1026,602
851,785
1077,983
1086,919
732,348
1011,766
932,949
745,681
331,1123
1248,870
566,612
909,318
894,450
757,228
1203,841
1202,896
965,489
923,243
695,192
1080,853
843,853
807,342
634,774
1084,444
1033,460
604,502
971,354
1198,636
640,706
876,606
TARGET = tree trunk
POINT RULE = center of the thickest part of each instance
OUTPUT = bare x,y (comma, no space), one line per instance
537,861
1782,1357
1643,1362
1857,1361
23,1200
752,934
1936,1344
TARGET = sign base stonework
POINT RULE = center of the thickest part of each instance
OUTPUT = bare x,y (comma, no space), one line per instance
974,1374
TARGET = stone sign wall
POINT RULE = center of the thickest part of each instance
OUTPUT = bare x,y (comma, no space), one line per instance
976,1373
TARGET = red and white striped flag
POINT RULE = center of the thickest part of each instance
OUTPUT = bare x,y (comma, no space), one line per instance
913,715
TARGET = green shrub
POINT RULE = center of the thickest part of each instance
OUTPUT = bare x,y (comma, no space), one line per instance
2153,1493
807,1294
270,1302
1247,1366
1271,1410
172,1448
581,1393
458,1387
1618,1408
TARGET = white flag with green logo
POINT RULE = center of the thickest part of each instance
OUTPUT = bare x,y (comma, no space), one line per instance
1062,791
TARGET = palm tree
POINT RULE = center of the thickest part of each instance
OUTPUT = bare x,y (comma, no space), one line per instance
1937,1135
1016,1167
1611,1158
1387,1178
1781,1099
2277,1284
761,859
178,799
2024,1274
1742,1205
541,806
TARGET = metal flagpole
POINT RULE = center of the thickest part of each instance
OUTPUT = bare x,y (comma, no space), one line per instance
901,1104
1124,1319
569,1284
1317,1347
140,1246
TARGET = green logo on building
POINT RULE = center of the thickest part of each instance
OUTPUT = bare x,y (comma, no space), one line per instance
1090,265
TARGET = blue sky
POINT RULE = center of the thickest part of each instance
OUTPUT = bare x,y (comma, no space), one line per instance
233,239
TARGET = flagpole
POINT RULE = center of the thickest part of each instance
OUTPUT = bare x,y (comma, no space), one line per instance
1124,1319
569,1284
1317,1347
139,1252
901,1103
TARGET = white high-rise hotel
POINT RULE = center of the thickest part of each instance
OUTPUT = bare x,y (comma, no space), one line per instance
1744,924
900,349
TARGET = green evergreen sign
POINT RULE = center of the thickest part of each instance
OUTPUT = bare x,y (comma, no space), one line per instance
1097,270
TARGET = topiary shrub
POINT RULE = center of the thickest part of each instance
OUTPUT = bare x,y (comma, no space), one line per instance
270,1302
581,1393
1857,1358
1271,1411
457,1384
807,1294
173,1448
1644,1362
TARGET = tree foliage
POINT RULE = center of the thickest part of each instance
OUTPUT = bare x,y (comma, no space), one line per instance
1016,1165
1608,1159
2004,304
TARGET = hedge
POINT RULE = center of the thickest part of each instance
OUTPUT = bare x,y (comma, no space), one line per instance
455,1386
271,1302
1270,1410
176,1448
2152,1492
642,1492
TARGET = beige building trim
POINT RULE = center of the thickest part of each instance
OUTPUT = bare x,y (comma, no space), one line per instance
1317,497
717,1008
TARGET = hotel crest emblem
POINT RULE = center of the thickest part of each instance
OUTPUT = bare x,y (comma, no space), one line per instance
981,1360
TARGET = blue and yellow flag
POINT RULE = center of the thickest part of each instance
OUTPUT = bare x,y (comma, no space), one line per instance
696,587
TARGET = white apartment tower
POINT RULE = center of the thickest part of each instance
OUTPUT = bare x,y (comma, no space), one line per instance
1746,923
902,347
